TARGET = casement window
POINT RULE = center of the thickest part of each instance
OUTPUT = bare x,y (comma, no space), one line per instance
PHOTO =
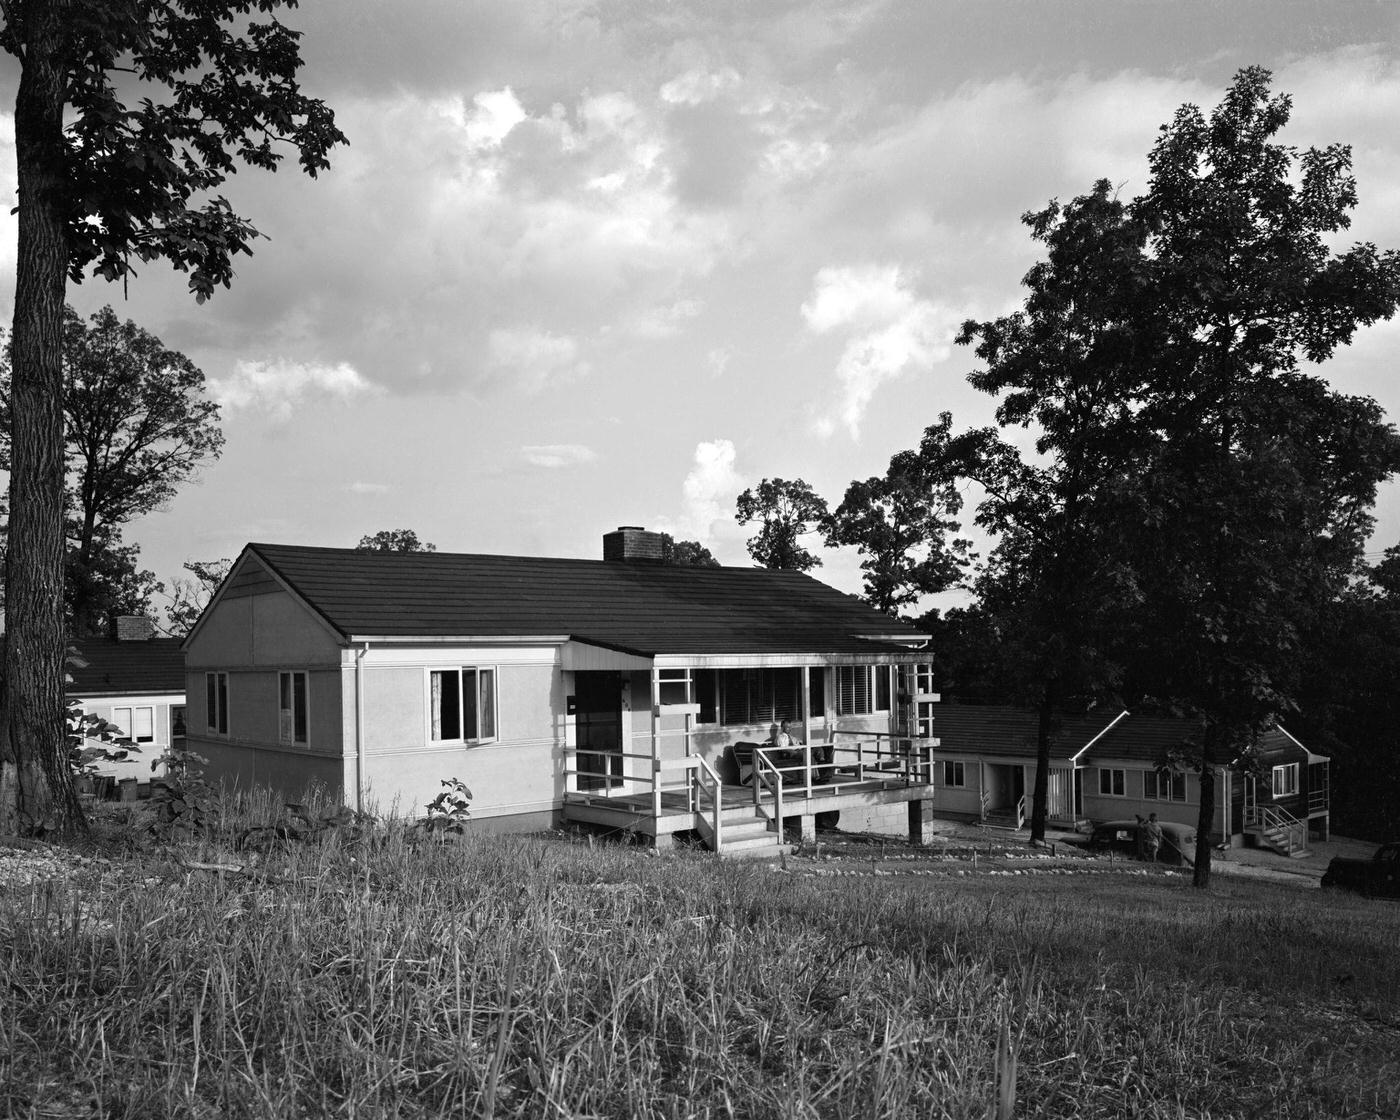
462,705
216,702
759,697
1286,780
291,707
138,725
1112,783
954,776
1164,785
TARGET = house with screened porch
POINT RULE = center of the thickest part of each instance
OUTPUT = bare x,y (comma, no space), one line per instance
623,692
1116,765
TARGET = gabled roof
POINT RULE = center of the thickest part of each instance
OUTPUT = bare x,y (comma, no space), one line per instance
643,608
113,668
1003,730
1009,731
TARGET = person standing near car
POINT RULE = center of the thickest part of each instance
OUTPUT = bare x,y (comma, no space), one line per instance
1151,837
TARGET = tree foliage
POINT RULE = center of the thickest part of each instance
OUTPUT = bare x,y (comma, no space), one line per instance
128,117
394,540
785,512
686,554
904,523
190,594
1253,505
136,426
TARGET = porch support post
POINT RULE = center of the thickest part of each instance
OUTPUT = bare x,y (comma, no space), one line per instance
654,701
807,823
921,821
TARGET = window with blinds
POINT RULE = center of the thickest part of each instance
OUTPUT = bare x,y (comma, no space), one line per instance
760,696
853,690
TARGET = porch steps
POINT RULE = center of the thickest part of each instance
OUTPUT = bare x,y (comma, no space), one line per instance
1002,821
748,836
1278,838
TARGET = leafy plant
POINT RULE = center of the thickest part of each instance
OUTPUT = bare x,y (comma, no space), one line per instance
449,810
183,804
91,739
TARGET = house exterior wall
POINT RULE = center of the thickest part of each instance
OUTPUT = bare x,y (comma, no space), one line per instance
138,765
517,778
1103,807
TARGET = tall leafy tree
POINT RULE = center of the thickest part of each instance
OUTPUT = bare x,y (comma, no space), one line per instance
1067,367
785,511
394,540
1254,504
129,115
136,425
904,523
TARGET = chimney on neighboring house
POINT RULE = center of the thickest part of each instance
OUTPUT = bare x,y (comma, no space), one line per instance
633,544
135,628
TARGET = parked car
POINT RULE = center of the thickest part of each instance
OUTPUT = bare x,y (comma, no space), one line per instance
1377,877
1178,840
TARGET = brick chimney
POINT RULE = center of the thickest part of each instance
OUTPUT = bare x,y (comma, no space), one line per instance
135,628
633,544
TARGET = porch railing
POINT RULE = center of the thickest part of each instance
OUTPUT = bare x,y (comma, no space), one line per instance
704,784
880,755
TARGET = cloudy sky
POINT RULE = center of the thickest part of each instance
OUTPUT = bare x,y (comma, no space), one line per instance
588,263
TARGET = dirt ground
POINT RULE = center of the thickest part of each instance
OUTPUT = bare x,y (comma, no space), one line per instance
1064,852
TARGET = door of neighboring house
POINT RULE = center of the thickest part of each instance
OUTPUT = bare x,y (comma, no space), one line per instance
598,727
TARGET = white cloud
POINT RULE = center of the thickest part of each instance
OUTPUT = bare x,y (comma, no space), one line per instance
707,498
493,117
368,488
697,86
890,329
664,320
278,387
536,358
556,455
717,361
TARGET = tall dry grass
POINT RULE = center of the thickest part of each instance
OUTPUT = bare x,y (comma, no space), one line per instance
533,977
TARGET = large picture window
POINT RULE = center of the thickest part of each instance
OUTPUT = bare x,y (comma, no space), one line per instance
216,702
291,707
462,704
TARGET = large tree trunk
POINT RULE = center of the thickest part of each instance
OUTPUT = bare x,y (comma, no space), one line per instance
1041,795
36,788
1200,876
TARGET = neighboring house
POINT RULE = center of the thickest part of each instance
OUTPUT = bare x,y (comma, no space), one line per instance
137,682
1107,765
606,691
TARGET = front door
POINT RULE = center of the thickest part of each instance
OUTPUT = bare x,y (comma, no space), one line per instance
598,729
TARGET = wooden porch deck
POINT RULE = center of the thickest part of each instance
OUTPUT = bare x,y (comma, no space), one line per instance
634,810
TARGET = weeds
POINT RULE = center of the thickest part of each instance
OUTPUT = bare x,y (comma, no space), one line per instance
527,977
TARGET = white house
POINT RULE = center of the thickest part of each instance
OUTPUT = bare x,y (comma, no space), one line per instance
610,691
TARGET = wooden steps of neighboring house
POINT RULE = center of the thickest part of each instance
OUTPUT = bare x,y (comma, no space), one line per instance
1278,840
1003,820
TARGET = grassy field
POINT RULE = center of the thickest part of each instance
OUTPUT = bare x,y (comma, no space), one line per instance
539,977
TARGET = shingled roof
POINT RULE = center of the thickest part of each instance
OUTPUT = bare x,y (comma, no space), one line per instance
644,608
113,668
992,729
